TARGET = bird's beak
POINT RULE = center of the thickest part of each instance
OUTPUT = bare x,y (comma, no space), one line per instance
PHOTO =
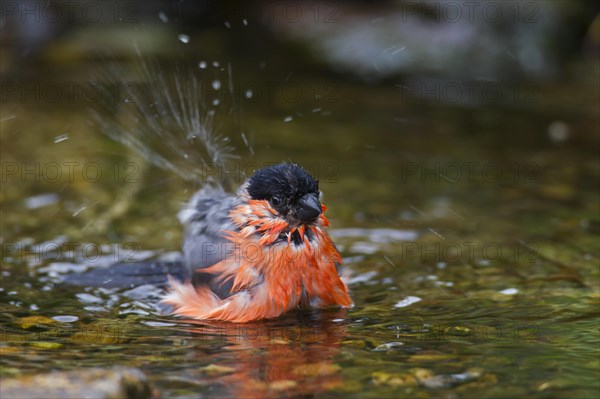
309,208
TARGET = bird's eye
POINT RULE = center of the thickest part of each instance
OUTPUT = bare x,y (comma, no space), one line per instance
276,200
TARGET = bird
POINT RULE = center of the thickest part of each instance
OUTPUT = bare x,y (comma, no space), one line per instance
259,252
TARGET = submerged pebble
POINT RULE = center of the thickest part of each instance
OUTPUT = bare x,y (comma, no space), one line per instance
391,379
33,321
430,356
317,369
46,345
215,369
117,382
425,378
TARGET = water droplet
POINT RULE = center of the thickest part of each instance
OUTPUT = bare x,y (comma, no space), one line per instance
216,64
227,25
78,211
288,118
216,102
216,84
60,138
39,201
245,22
163,17
558,131
315,110
202,64
249,93
185,39
509,291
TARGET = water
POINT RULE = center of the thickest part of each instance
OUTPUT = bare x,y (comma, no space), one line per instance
471,231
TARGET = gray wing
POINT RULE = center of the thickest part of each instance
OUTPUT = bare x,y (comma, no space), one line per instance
129,275
206,218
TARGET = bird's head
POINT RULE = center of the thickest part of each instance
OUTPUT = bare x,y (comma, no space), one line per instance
290,190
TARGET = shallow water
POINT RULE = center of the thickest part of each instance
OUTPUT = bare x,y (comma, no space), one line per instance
472,232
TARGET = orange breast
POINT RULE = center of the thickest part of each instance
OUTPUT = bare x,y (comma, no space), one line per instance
268,279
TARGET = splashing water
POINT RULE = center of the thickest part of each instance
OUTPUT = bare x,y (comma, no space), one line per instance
162,116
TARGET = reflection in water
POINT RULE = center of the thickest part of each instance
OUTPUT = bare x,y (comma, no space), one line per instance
295,354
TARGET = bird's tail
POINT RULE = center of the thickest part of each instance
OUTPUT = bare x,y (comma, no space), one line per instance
191,301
